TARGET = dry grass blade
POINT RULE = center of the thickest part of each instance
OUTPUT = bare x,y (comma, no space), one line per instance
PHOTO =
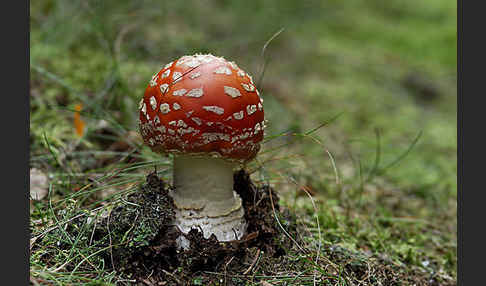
281,226
119,38
59,224
262,72
403,155
316,213
111,243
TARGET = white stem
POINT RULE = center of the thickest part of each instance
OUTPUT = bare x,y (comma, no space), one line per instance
204,197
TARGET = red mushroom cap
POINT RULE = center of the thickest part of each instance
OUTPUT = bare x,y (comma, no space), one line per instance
203,104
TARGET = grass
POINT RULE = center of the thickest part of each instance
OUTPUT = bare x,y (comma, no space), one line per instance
380,73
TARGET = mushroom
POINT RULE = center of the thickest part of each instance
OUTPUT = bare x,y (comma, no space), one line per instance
208,113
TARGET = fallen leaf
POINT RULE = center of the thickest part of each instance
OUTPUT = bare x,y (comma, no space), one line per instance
78,122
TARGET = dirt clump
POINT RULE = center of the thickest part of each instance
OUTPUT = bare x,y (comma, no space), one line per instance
150,253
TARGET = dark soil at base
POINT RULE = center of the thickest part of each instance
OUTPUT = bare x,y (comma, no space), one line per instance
153,258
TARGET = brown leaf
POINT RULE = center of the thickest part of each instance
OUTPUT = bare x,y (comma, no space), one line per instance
78,122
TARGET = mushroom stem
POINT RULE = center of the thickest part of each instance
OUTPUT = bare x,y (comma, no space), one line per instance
205,199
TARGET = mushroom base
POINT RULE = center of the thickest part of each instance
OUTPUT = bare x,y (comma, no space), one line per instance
204,198
225,228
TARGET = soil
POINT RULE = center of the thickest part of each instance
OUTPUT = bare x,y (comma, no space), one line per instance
152,258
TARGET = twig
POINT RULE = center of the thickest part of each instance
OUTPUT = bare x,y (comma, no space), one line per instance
252,263
225,268
173,276
146,282
150,275
127,280
228,263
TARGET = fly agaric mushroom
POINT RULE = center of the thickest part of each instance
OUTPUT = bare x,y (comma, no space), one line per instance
207,112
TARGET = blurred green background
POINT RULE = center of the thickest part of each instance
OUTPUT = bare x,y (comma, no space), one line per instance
381,73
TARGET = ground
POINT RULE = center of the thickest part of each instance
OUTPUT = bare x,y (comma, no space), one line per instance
360,98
